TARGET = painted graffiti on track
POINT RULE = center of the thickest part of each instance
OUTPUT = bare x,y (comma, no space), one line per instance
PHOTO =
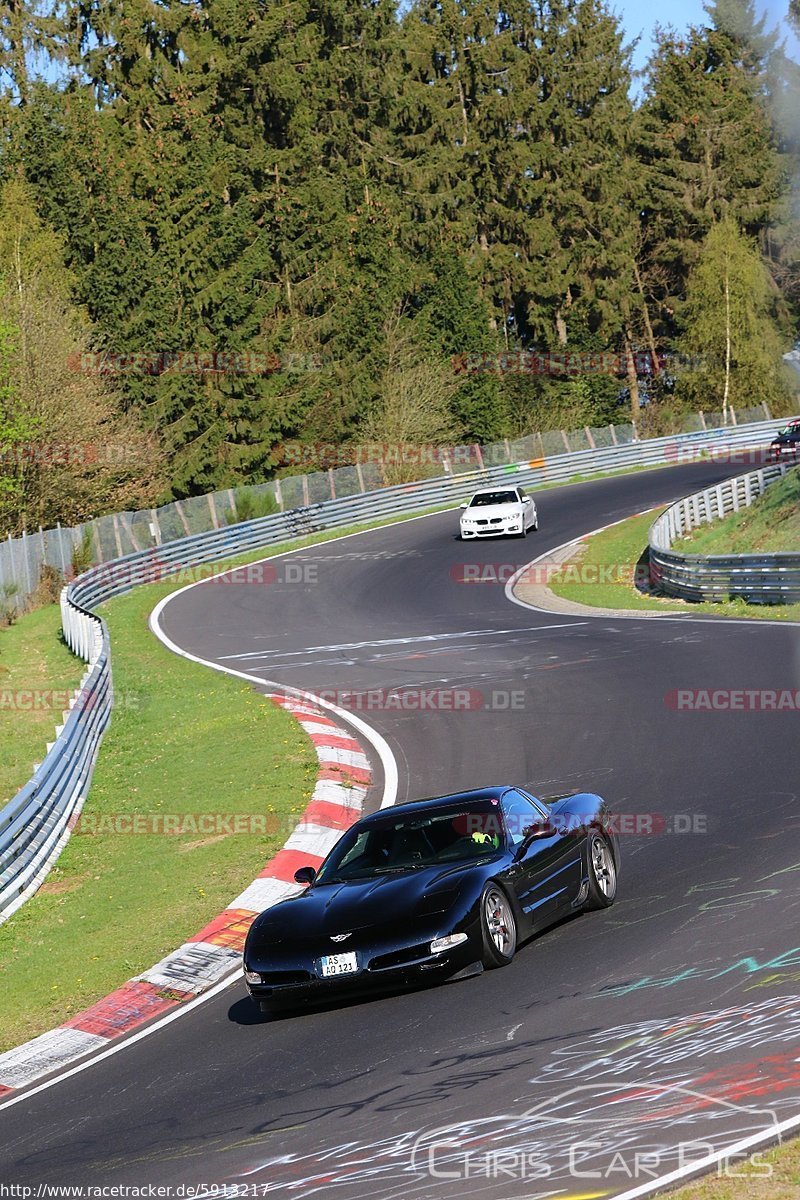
616,1108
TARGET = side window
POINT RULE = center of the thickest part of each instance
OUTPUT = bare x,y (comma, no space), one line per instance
357,850
519,813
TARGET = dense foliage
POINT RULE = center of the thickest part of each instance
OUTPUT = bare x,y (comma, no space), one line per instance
319,208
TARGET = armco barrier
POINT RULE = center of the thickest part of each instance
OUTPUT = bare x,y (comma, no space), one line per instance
111,536
757,578
34,825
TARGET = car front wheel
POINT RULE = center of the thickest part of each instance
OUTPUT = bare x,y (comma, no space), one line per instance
602,873
498,927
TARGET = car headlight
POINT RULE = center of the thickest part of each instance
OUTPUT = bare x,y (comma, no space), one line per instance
252,976
439,945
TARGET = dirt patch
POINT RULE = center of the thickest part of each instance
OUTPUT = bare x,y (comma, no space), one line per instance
58,887
209,841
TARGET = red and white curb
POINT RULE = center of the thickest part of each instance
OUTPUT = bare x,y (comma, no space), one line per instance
203,961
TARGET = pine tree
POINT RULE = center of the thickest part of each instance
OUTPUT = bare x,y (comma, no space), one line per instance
587,172
705,141
452,320
31,33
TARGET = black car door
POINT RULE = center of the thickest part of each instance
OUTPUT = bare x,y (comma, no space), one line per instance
546,874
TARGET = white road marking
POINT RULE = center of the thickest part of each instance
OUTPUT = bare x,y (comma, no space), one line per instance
391,781
403,641
123,1045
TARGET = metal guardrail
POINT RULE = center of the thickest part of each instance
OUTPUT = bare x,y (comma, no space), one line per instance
109,537
35,824
756,578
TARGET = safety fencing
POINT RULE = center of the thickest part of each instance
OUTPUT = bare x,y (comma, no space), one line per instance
756,578
35,824
111,537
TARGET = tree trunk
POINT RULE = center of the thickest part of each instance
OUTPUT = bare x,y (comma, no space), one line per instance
630,371
463,101
651,341
726,395
561,320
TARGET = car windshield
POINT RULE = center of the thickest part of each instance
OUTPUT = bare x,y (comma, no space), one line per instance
483,498
398,845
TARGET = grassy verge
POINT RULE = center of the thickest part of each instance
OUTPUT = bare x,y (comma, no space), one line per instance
184,742
37,674
783,1182
771,524
605,568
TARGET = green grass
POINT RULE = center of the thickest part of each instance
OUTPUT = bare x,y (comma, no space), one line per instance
183,740
751,1182
34,663
771,524
617,552
620,550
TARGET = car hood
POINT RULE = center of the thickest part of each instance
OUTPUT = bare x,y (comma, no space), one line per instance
493,510
361,904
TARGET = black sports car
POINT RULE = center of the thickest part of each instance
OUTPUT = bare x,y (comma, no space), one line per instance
434,889
786,444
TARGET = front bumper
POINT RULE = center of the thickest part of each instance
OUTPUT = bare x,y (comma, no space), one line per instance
302,982
507,529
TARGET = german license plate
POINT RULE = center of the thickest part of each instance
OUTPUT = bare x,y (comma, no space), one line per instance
338,964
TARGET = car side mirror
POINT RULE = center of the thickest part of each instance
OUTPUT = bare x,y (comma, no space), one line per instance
464,505
534,833
305,875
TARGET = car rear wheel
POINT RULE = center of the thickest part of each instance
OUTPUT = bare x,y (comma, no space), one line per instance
602,873
498,927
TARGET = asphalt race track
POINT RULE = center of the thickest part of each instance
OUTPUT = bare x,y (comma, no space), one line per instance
618,1046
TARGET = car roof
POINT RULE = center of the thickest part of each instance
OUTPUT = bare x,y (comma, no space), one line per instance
498,487
435,802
